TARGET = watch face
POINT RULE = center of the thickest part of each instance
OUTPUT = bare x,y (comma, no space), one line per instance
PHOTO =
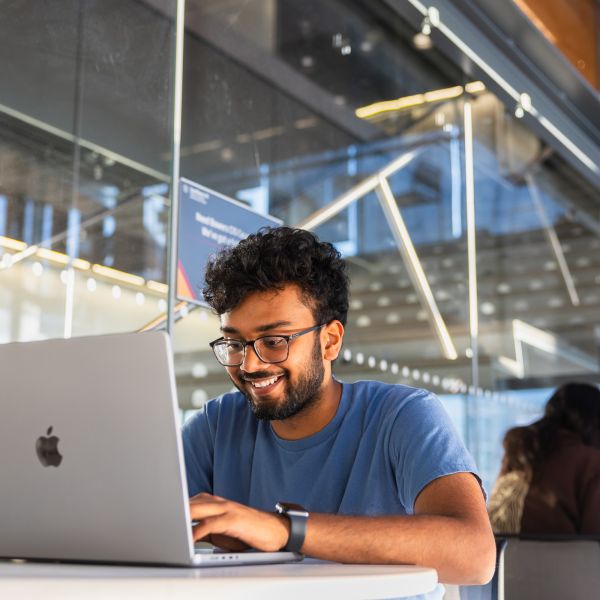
290,508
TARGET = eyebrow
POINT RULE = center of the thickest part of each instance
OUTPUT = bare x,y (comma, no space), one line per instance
260,328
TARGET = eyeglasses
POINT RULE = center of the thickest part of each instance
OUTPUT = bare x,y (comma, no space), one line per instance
269,348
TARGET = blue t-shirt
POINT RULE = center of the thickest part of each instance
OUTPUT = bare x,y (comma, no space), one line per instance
384,445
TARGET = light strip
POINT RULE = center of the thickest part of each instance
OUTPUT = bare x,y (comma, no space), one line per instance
377,108
181,310
470,216
524,333
157,286
561,137
475,87
46,254
444,94
353,194
553,240
118,275
81,264
365,112
11,244
413,266
23,254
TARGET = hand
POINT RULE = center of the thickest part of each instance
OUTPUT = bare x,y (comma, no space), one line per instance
233,526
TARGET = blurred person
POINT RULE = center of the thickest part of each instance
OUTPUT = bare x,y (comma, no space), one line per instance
549,481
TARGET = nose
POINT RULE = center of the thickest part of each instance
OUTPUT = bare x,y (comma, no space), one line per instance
251,361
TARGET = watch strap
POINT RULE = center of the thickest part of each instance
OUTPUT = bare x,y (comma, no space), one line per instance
298,518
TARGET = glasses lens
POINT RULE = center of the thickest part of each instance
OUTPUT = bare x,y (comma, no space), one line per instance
272,348
229,352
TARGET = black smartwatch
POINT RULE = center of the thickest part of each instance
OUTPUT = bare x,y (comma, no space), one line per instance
298,517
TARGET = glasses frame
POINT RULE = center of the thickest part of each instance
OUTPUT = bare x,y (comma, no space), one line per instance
245,344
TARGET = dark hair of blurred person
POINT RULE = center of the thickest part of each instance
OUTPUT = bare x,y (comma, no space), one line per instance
549,482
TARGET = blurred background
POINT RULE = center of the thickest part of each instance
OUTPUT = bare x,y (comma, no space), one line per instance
481,118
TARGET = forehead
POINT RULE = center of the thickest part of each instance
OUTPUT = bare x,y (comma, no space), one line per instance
274,306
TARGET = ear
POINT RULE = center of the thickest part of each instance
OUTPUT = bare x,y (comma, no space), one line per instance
331,340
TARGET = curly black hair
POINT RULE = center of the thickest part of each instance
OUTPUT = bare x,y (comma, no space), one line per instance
272,258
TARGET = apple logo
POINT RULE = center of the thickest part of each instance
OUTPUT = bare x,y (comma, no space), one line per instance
47,450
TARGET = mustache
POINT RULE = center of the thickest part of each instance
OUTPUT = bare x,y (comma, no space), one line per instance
260,375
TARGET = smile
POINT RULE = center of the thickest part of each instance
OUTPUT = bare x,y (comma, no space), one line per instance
264,384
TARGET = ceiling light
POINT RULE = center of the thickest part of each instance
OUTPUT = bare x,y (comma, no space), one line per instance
157,286
199,397
199,370
488,308
111,273
475,87
422,40
363,321
37,269
12,244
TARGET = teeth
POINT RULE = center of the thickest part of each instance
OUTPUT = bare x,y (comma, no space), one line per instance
264,382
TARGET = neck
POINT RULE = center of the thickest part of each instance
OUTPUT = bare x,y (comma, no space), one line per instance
315,417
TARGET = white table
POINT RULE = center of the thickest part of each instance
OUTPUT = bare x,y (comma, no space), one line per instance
310,579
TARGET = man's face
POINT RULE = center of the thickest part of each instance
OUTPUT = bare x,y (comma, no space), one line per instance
276,391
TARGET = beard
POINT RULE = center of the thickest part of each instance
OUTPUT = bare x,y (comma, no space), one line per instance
296,398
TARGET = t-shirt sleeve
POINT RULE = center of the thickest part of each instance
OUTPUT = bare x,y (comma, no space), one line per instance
424,445
198,450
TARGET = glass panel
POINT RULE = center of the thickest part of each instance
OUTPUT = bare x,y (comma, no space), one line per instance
84,162
538,274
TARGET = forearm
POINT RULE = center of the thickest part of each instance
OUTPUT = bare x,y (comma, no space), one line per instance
459,550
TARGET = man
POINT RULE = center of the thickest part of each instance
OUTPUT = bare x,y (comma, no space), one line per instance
378,468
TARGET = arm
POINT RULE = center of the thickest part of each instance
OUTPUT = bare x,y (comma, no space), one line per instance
450,531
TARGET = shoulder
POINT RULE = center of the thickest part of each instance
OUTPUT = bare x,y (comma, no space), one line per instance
377,391
392,399
227,407
572,446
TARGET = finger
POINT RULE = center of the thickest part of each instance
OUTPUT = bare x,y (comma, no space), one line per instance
202,510
209,526
204,497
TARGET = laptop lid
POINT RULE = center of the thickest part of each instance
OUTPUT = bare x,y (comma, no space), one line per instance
90,452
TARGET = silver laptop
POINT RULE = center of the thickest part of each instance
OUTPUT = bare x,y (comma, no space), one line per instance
91,461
